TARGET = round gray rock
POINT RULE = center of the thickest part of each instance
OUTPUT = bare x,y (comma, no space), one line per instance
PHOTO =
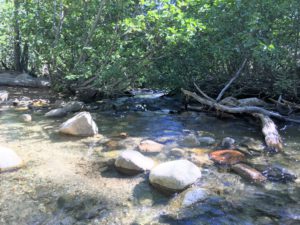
26,117
81,124
73,106
174,176
60,112
132,162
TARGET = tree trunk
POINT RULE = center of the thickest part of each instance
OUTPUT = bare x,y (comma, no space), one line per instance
17,38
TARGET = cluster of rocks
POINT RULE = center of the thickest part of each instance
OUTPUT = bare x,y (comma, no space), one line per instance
168,177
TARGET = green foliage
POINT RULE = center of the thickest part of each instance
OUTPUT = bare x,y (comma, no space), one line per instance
115,45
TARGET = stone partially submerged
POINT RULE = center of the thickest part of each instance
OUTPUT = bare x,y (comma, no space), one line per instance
81,124
174,176
9,160
132,162
73,106
3,96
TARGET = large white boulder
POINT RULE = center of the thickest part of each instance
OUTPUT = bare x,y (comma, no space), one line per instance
174,176
81,124
132,162
9,160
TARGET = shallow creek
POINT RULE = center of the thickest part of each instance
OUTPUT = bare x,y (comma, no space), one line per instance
69,180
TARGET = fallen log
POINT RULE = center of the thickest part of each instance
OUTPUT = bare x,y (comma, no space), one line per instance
272,137
237,109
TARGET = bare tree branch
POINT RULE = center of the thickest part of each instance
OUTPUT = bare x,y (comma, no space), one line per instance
231,80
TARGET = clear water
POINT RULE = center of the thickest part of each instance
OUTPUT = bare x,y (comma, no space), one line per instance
65,182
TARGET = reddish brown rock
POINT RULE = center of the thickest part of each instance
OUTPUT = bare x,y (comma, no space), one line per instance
150,146
227,157
248,172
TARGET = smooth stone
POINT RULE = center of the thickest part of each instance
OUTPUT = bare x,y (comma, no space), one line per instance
9,160
227,157
174,176
190,140
279,174
194,195
228,143
249,173
132,162
60,112
26,117
3,95
73,106
150,146
252,144
201,159
207,140
177,152
81,124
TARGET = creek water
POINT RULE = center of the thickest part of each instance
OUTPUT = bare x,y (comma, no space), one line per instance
70,180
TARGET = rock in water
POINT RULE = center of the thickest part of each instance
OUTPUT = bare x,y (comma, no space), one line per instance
73,106
60,112
26,117
3,95
80,125
279,174
227,157
174,176
194,195
228,143
132,162
248,173
9,160
150,146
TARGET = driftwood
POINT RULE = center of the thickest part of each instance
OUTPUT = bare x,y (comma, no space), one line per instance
272,137
237,109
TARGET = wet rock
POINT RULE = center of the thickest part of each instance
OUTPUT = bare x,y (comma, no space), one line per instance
190,140
9,160
194,195
26,117
177,152
73,106
133,162
150,146
227,157
123,135
174,176
279,174
81,124
200,159
3,95
206,140
252,144
228,143
249,173
60,112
